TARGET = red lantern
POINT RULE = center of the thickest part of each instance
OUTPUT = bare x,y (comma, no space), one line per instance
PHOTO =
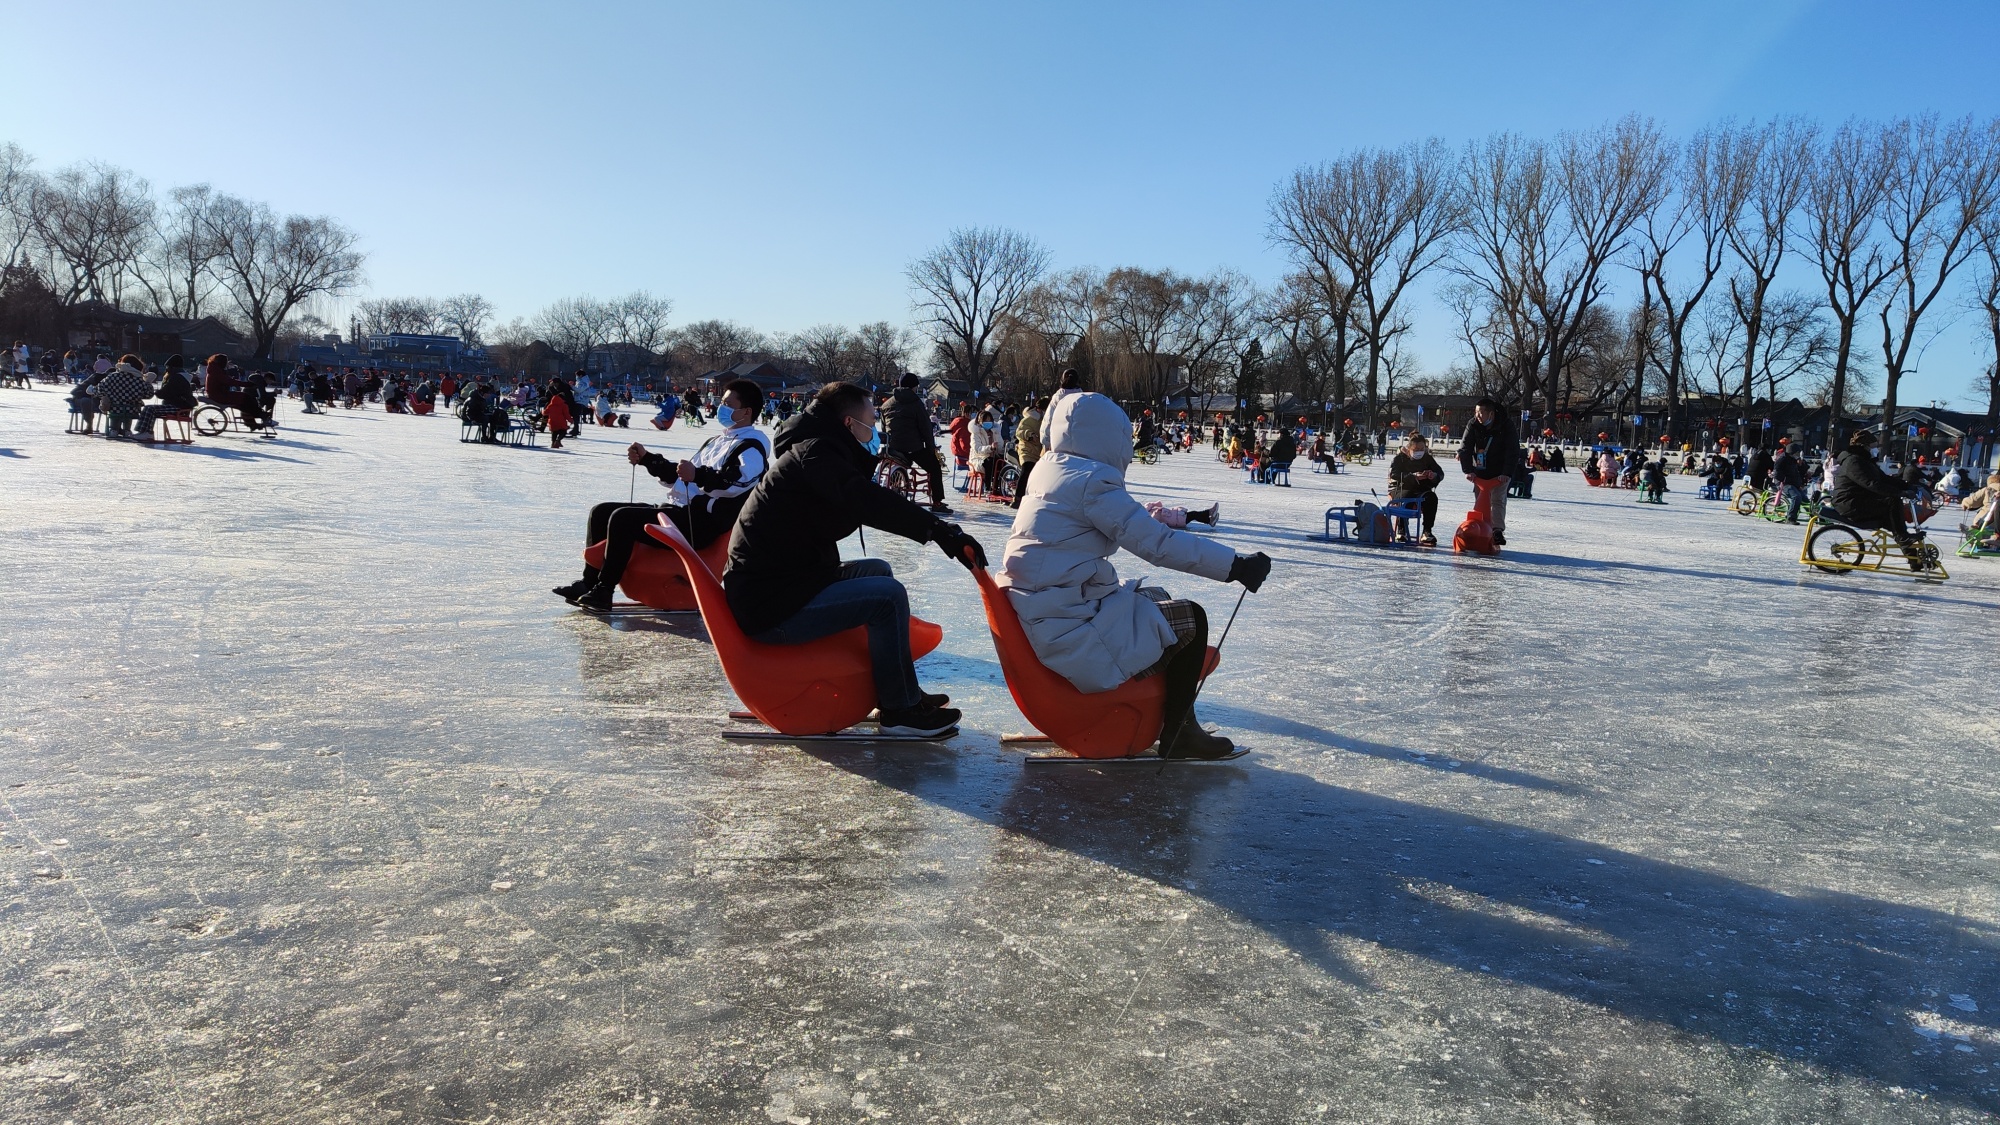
1395,424
1347,421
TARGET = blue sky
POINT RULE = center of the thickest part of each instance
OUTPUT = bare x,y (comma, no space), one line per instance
778,164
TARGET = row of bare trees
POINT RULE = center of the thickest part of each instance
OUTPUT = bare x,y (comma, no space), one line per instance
96,233
1534,236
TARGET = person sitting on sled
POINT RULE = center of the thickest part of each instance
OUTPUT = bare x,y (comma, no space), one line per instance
786,582
670,408
1083,623
708,492
1415,475
1654,478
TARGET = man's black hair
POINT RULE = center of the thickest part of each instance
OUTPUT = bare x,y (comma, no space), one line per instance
909,381
747,393
839,398
1489,403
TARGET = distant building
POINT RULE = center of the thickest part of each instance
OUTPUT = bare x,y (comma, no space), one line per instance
768,376
96,326
401,351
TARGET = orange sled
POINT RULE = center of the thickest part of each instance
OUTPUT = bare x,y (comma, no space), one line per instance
1120,723
817,688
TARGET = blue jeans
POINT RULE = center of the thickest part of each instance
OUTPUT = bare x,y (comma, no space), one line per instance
866,595
1794,496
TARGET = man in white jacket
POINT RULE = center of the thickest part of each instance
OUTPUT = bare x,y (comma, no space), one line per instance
1083,623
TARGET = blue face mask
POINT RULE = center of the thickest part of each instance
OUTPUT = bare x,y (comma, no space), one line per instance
874,443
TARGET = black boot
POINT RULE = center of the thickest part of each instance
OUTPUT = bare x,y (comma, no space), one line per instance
578,588
597,599
1194,742
1183,676
1208,517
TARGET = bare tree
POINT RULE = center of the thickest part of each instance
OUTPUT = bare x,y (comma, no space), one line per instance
1942,186
882,351
826,348
1778,162
1303,363
390,315
1795,344
641,320
19,185
1610,179
93,222
1845,188
577,327
967,287
1385,216
270,266
1141,308
465,317
1986,298
1708,192
178,263
715,345
1218,315
1306,220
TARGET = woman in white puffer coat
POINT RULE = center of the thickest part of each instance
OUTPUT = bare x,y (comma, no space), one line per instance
1084,624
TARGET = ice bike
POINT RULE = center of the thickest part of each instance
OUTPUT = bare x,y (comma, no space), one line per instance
1833,547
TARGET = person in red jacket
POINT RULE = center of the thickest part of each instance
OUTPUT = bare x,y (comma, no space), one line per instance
556,413
961,437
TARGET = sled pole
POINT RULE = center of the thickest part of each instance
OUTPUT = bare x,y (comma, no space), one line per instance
1218,644
632,494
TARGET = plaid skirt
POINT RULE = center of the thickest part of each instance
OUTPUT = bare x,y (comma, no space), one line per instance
1180,615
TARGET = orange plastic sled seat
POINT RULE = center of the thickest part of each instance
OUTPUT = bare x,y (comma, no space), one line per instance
1119,723
656,579
1475,535
818,687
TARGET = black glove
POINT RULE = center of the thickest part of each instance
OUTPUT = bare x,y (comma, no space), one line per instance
1251,570
955,543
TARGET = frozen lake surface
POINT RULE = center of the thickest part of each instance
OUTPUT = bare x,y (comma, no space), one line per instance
315,805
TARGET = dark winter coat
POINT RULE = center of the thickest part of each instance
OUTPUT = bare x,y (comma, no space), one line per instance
1786,471
176,391
1489,451
1285,450
818,490
1864,495
1403,482
906,422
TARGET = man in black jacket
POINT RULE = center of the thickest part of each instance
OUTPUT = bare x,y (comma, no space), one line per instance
1863,494
1789,477
910,432
176,396
1489,453
785,581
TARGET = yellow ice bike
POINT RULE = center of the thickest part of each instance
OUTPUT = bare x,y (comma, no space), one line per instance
1835,548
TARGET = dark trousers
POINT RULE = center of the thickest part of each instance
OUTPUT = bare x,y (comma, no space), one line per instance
927,460
1021,480
866,594
1430,509
1183,676
622,527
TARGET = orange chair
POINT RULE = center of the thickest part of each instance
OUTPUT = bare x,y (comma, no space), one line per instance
1119,723
419,406
819,687
1475,535
656,579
